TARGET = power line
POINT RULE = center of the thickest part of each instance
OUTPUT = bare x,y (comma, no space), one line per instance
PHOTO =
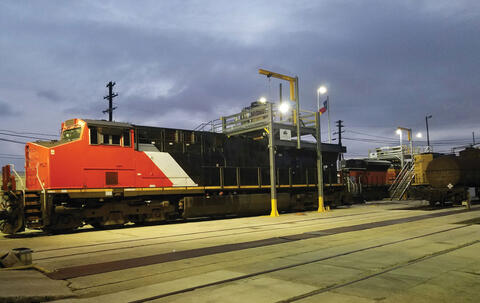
22,136
13,155
371,140
27,133
443,141
10,157
13,141
361,133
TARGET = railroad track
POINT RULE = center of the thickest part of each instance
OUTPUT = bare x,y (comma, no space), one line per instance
98,268
248,230
329,288
136,243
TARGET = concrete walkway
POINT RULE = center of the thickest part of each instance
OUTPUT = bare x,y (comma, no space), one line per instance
30,286
430,260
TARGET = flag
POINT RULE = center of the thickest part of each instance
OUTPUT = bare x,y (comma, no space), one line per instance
324,108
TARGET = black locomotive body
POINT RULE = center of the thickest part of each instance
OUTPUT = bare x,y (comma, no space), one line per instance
113,173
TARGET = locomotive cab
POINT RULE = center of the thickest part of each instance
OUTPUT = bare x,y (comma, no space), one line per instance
90,153
40,155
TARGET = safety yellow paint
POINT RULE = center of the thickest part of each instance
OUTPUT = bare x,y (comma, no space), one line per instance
274,212
321,207
283,77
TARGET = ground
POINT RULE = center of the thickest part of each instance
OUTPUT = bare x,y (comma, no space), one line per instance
374,252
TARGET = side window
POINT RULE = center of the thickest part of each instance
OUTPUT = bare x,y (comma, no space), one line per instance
126,138
116,139
93,135
106,139
109,136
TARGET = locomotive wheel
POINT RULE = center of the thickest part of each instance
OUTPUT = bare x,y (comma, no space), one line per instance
64,223
103,224
12,225
12,217
97,224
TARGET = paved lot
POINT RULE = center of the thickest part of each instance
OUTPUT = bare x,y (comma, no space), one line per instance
411,254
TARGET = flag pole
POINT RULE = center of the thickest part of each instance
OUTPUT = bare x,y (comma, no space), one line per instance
328,114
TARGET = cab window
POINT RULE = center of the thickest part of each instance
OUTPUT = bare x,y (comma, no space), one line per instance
69,135
106,139
112,136
126,138
116,139
93,135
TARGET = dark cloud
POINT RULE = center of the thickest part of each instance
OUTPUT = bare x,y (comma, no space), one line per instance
7,111
178,64
49,95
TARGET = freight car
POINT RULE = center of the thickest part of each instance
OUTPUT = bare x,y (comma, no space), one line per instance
110,173
367,179
446,178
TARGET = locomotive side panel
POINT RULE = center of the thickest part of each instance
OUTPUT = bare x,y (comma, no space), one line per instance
36,166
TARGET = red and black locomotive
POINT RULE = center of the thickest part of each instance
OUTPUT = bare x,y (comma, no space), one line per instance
110,173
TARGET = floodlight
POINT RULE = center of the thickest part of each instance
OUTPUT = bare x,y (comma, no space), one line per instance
322,90
284,107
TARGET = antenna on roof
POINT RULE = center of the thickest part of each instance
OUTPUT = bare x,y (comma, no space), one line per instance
110,97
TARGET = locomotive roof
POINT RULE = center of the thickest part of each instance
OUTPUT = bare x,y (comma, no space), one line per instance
106,123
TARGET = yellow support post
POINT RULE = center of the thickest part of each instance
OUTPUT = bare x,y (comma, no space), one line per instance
321,205
271,152
467,203
274,212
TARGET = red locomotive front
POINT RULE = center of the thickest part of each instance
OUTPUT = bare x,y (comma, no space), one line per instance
96,155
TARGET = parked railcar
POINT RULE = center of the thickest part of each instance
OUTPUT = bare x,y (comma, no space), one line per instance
446,178
368,179
109,173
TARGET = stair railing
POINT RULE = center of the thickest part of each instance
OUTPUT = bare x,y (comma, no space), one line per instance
21,181
404,181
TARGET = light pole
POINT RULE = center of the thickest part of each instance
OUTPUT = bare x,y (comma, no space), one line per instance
428,135
321,205
321,91
399,132
409,136
271,155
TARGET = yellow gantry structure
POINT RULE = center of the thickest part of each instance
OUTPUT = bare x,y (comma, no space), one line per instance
291,80
296,118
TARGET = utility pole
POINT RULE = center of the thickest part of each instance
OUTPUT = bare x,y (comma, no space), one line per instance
473,138
340,125
428,135
110,97
328,114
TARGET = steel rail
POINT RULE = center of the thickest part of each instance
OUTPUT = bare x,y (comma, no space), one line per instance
98,268
186,234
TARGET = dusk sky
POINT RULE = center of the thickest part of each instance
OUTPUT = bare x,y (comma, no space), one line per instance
180,63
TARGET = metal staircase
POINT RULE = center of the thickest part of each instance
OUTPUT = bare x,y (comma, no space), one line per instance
402,182
33,209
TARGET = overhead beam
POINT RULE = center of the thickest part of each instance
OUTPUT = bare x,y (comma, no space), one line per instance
290,79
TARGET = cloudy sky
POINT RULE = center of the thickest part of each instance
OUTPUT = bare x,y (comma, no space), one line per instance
181,63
